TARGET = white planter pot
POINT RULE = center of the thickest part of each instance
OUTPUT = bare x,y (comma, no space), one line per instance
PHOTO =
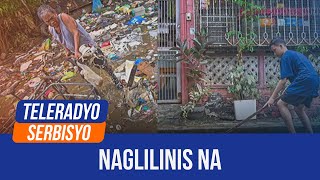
244,108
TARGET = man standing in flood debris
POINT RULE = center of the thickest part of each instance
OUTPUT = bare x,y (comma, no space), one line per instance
304,86
65,30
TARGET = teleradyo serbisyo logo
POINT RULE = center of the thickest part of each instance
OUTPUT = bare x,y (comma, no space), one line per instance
60,121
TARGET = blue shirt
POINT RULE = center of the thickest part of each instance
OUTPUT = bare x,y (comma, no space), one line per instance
298,69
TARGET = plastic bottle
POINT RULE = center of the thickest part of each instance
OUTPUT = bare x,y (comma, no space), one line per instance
139,11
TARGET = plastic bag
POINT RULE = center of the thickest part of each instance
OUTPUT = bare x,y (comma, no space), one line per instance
68,75
90,75
139,11
46,45
96,5
136,20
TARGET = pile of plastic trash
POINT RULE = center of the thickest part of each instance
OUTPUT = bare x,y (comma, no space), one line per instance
127,33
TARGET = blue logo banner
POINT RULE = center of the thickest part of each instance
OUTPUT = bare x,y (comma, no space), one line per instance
62,111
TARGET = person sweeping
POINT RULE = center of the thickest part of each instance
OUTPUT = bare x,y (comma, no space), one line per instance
303,88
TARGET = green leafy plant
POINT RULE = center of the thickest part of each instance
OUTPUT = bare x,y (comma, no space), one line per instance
245,36
243,86
195,97
272,84
245,41
194,57
312,52
303,49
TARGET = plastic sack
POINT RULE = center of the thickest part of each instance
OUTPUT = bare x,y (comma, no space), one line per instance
96,5
138,61
125,9
90,75
139,11
46,45
136,20
68,75
113,57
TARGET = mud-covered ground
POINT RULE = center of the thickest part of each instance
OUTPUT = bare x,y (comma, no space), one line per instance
211,125
118,119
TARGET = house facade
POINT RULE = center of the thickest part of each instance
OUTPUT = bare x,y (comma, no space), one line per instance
296,21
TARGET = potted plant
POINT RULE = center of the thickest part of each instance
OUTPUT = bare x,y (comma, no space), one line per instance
243,85
194,57
244,89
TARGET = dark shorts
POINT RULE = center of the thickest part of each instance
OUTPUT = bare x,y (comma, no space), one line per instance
297,100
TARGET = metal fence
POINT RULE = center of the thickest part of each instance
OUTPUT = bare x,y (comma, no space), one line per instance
167,67
296,21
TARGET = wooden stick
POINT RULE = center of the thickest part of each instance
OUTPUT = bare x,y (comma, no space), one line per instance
251,116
